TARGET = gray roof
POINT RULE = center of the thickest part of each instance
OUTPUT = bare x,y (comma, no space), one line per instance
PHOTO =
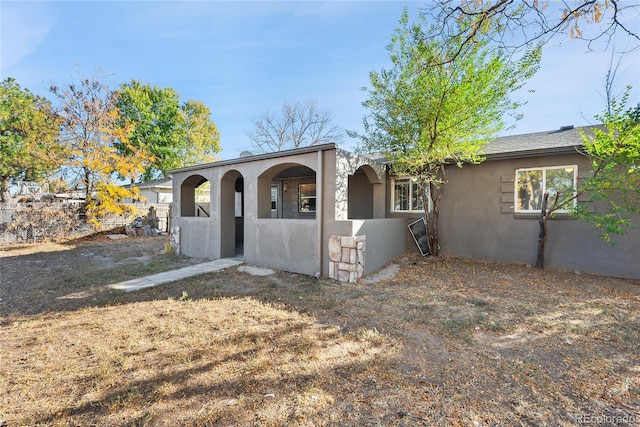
565,140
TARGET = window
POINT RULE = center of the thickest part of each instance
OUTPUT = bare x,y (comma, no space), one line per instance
274,197
406,196
306,198
532,183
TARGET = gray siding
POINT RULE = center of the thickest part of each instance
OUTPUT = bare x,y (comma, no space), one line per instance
477,221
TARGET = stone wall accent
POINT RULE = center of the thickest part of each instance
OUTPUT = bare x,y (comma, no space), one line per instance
346,257
175,239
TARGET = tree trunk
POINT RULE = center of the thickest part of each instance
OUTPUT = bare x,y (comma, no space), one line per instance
435,243
5,196
542,236
428,219
435,246
425,215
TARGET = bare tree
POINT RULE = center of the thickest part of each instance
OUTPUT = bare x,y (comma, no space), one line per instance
296,125
517,23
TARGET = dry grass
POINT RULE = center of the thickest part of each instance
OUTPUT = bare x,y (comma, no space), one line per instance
446,342
227,361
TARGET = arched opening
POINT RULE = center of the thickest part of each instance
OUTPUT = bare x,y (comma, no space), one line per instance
195,196
231,214
287,190
360,193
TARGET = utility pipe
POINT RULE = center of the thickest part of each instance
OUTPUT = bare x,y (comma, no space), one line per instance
319,213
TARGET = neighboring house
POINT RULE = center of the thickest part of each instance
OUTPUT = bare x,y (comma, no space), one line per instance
281,210
155,191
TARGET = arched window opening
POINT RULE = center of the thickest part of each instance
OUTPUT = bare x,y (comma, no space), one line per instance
287,191
195,197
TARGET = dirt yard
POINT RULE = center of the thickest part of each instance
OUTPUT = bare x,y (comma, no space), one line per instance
445,342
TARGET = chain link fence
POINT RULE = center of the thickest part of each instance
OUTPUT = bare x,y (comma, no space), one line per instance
42,221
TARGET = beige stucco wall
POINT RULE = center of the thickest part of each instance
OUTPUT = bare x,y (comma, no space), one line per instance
477,221
385,237
285,243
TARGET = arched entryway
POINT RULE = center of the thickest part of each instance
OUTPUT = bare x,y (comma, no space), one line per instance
361,193
232,214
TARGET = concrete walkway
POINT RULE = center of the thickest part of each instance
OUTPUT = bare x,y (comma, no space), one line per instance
179,274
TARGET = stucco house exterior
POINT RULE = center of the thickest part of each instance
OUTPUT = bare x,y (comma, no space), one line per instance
324,211
491,210
315,210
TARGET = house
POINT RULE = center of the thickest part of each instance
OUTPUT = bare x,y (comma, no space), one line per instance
321,210
155,191
315,210
490,211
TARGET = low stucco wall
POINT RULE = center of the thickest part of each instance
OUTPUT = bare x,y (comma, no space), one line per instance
198,237
386,240
284,244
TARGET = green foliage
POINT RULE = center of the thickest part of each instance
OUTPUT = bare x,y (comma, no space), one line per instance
442,99
92,139
614,152
201,136
153,118
174,135
28,131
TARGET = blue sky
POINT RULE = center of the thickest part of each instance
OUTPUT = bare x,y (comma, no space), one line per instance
243,58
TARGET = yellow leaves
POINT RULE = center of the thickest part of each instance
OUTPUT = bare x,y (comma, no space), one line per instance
574,31
590,15
597,12
541,5
108,200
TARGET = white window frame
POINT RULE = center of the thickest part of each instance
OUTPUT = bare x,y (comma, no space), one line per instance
300,197
544,170
411,180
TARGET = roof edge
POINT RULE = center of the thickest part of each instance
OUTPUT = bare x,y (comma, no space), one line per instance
550,151
256,157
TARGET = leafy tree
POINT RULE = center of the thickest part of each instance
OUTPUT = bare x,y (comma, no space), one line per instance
175,135
58,185
613,183
615,156
201,135
28,131
92,138
438,104
518,23
298,124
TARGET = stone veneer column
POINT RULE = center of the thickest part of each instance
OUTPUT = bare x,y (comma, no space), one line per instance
174,239
346,257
